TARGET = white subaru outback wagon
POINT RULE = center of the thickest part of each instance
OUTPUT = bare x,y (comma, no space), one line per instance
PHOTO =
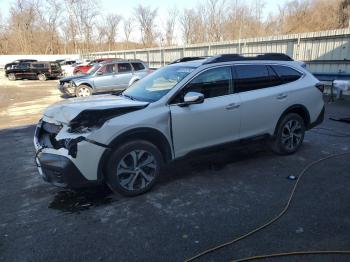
124,140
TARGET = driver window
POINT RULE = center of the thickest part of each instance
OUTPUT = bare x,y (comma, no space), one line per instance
107,69
211,83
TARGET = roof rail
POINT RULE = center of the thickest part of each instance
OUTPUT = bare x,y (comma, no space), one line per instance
187,59
248,57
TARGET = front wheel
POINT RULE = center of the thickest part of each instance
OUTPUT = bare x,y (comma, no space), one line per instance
11,77
290,135
134,168
83,91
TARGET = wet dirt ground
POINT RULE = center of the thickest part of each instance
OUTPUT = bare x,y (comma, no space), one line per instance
201,201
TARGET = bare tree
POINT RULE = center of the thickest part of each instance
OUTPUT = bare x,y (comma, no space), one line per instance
82,15
111,28
193,26
215,13
170,25
146,17
128,28
50,20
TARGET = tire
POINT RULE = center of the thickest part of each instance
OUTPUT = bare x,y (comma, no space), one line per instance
42,77
129,177
289,136
83,91
11,77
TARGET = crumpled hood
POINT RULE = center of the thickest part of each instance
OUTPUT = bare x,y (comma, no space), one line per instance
70,78
67,110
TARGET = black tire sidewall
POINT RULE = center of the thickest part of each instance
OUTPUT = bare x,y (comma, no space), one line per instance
277,145
112,164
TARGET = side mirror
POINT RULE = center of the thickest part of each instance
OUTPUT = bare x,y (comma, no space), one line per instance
192,98
99,73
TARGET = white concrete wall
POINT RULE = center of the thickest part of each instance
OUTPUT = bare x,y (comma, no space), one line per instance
4,59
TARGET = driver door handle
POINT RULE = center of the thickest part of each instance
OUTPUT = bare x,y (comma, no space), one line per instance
232,106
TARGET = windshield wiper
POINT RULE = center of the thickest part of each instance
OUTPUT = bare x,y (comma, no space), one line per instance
128,96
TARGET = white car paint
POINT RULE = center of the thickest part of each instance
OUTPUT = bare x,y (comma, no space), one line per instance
218,120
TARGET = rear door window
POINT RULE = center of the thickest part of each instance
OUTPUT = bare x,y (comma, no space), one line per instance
124,68
252,77
38,66
286,74
138,66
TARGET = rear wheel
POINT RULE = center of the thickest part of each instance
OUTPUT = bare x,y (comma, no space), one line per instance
11,77
134,168
83,91
290,135
42,77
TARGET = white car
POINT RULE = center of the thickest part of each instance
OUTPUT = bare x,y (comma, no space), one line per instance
68,67
124,140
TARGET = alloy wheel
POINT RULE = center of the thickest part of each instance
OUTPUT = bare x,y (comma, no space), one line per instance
136,170
84,91
292,134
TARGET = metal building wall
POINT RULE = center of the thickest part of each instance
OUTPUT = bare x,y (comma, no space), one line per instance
325,53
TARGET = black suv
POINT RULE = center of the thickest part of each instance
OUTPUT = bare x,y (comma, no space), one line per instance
17,62
34,70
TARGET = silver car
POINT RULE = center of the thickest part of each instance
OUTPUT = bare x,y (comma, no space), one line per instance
104,77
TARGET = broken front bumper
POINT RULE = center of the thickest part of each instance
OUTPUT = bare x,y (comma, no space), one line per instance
58,166
60,171
66,88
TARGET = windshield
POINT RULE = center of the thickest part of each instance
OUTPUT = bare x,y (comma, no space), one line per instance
93,69
156,85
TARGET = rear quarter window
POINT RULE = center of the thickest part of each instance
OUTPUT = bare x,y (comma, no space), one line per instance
286,74
38,65
138,66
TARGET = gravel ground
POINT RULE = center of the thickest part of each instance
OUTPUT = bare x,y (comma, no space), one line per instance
201,201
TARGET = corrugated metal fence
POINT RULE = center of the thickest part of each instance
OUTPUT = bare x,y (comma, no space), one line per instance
325,53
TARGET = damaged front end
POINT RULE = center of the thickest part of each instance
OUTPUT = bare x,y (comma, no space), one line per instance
65,155
56,158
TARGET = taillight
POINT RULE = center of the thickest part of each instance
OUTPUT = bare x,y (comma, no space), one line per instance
320,87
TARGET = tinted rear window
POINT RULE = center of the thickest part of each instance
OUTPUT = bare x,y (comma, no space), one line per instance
39,65
251,77
54,65
138,66
124,67
286,74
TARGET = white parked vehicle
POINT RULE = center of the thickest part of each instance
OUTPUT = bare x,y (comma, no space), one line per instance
68,67
124,140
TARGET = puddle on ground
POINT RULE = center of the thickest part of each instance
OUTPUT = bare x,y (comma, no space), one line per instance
73,201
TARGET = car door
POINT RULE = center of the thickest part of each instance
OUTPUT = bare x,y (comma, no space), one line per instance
262,98
22,70
215,121
125,74
104,78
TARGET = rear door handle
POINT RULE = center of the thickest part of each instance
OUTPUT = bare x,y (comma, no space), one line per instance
282,96
232,106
